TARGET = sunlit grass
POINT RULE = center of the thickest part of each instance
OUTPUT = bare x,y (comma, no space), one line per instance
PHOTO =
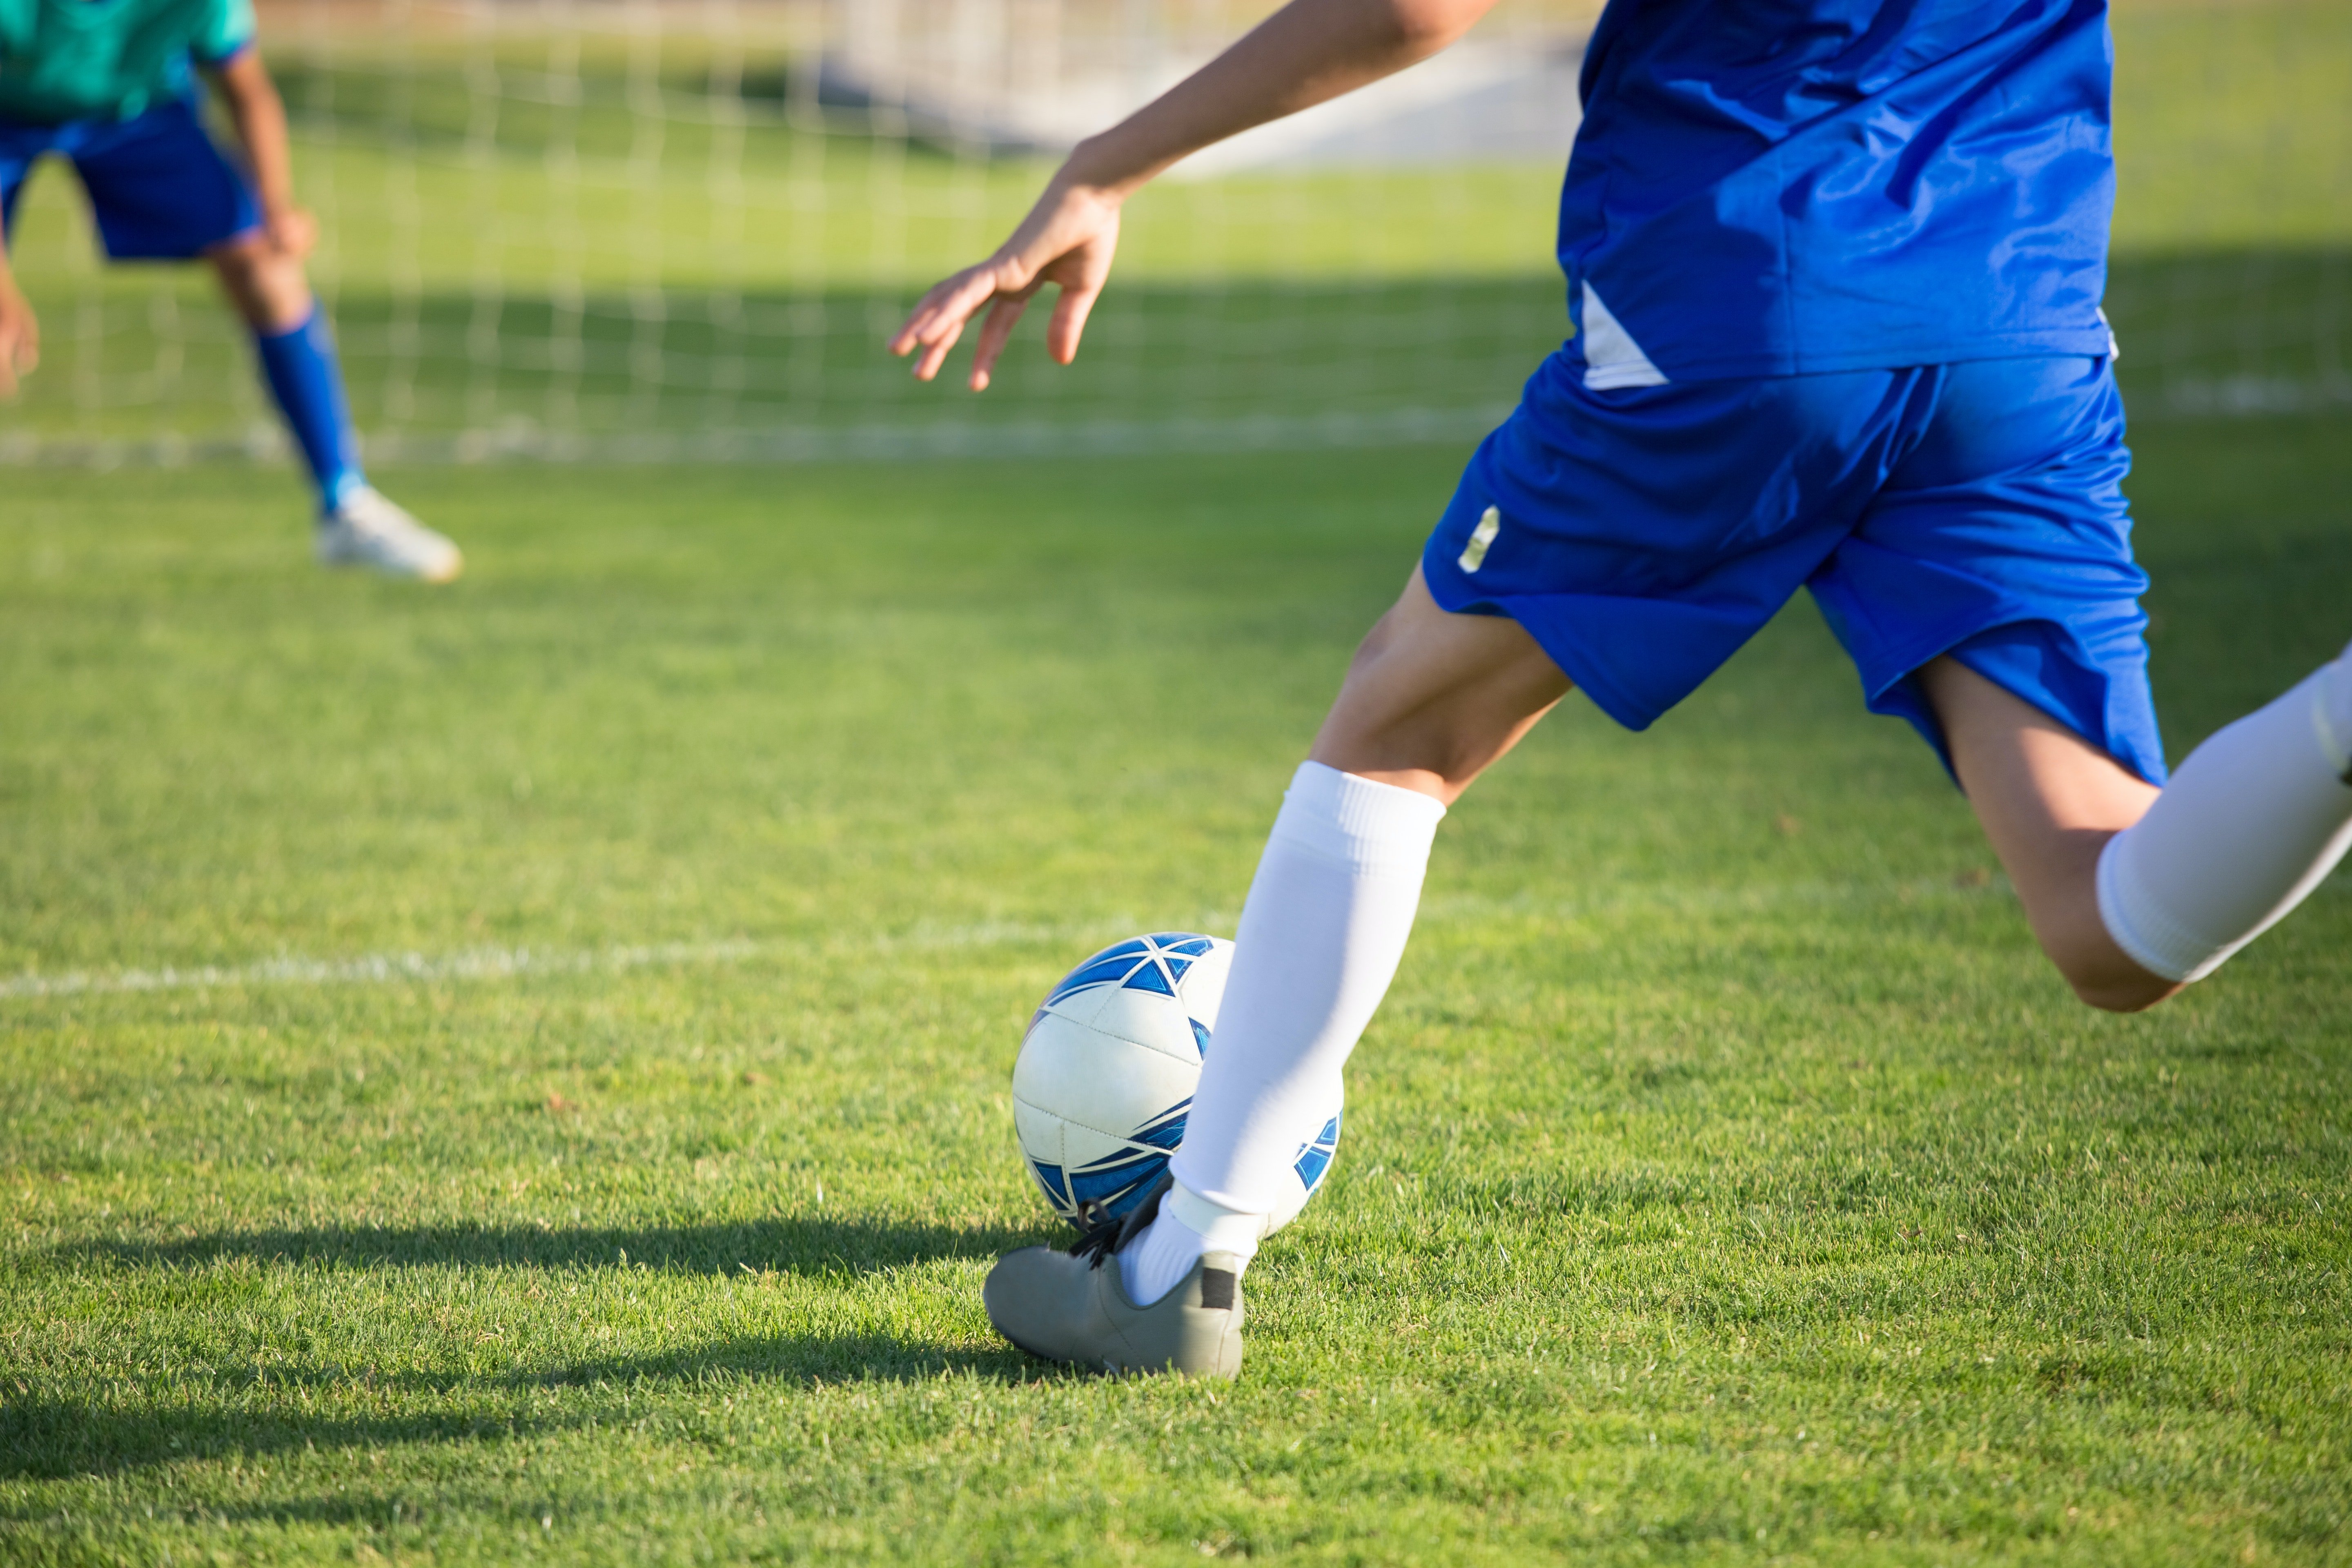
592,1138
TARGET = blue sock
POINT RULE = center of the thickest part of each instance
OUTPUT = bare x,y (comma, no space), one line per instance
300,365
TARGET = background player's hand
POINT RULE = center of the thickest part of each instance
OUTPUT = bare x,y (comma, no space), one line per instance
1067,240
20,336
292,231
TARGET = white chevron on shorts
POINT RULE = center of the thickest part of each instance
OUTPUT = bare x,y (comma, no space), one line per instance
1611,358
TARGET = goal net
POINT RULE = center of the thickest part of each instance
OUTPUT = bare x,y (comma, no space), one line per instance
682,229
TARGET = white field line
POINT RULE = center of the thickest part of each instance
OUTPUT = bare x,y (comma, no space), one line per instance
506,962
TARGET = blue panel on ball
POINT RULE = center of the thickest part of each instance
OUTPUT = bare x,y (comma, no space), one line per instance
1151,977
1177,966
1171,938
1200,1034
1198,946
1169,1130
1315,1158
1050,1178
1115,1187
1102,972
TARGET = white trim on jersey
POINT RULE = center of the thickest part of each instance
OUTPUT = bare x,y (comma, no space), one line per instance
1611,358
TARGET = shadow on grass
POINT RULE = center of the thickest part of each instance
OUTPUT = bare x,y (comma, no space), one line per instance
45,1436
807,1247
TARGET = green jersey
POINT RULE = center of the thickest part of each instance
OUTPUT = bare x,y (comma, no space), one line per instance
109,59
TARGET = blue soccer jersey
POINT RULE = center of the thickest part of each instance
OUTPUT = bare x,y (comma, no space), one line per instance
1780,187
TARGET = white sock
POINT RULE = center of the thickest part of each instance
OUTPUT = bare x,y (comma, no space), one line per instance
2254,819
1319,941
1187,1226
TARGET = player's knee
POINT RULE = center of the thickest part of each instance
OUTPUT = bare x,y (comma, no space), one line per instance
269,288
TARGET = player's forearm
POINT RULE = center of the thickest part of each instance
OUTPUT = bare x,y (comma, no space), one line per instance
1305,53
259,116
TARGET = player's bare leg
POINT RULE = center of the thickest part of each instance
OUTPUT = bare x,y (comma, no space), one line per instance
2049,801
2135,891
265,285
358,524
1432,698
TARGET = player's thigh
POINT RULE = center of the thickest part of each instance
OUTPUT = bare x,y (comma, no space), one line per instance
161,190
1432,698
2048,800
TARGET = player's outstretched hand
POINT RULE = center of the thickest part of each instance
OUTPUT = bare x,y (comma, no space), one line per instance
1066,240
20,338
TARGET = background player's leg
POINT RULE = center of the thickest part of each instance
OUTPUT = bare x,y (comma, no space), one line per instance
1431,699
2132,892
270,290
358,525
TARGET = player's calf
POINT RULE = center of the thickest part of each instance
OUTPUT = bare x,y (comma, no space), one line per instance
2134,892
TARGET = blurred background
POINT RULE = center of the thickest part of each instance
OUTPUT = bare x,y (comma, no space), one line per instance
663,229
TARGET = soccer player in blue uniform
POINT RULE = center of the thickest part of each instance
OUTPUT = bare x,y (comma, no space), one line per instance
109,85
1835,270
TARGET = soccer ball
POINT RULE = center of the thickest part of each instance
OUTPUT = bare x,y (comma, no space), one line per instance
1106,1071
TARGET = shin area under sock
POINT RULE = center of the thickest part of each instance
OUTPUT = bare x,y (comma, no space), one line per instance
307,381
1320,938
2249,825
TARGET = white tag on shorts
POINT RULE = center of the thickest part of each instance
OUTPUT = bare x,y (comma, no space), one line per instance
1473,554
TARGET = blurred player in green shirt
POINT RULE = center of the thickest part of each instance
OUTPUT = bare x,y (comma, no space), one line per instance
111,87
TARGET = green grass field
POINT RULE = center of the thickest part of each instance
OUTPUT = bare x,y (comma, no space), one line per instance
520,1072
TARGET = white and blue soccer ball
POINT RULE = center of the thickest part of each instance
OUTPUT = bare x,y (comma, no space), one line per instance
1106,1072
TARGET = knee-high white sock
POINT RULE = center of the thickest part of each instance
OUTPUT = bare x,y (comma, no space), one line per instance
2252,822
1320,937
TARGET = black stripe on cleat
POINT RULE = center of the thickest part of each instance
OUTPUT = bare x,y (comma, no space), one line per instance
1217,1289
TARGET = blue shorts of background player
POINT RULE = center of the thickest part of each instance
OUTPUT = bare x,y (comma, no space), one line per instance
1643,534
159,188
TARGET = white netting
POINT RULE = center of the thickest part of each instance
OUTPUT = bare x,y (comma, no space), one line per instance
681,227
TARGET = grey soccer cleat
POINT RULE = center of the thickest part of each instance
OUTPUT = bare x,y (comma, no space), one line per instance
1067,1307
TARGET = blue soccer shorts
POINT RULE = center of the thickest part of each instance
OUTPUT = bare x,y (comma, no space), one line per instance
1643,534
159,187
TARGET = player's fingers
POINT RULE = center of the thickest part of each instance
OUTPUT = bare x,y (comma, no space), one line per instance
1069,321
910,330
994,333
935,355
943,312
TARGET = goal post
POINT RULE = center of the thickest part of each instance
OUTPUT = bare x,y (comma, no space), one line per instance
597,229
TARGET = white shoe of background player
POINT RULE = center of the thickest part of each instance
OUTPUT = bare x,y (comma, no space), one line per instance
367,528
